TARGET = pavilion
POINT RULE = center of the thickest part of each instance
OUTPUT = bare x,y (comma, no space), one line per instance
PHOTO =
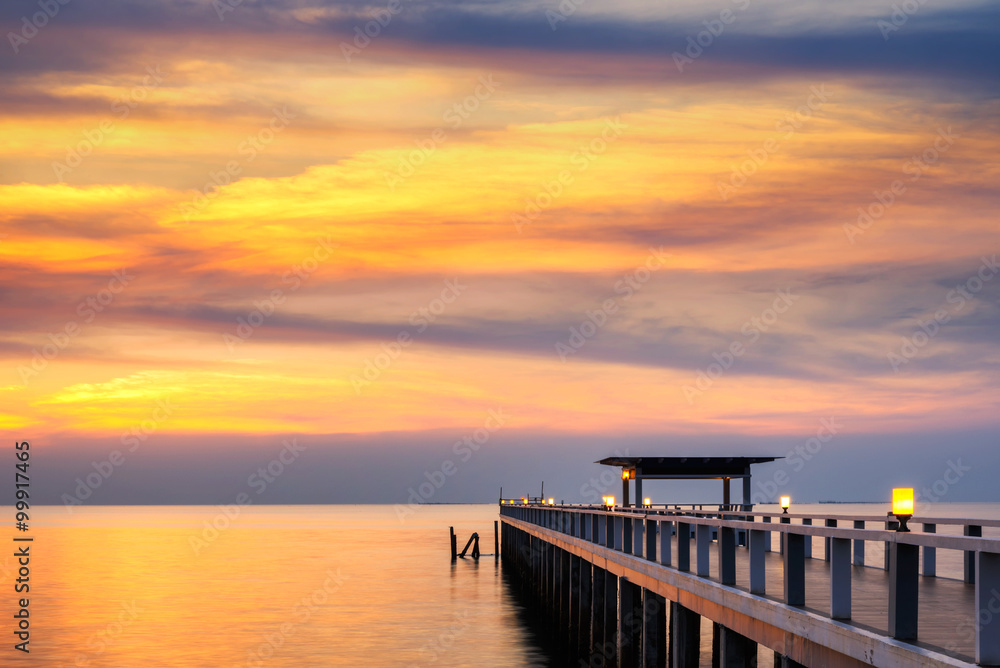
673,468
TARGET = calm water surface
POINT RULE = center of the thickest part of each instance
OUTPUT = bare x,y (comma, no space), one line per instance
282,586
289,586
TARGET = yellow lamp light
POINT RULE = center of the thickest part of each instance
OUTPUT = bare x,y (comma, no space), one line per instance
552,502
524,501
646,502
609,501
902,506
786,501
626,474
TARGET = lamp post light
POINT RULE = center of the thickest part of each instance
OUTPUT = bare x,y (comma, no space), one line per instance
609,501
646,502
786,501
902,506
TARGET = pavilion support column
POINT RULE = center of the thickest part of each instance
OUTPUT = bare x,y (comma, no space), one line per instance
638,488
726,499
625,489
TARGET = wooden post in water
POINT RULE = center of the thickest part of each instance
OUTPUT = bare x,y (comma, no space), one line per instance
496,539
454,543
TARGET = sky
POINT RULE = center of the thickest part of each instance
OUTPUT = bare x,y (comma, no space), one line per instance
364,246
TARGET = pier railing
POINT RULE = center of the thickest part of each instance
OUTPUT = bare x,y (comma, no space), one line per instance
646,532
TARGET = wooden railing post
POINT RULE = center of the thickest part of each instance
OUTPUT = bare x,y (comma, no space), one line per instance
839,554
637,536
727,556
703,533
795,569
988,608
970,556
757,570
904,577
826,541
666,527
683,546
808,539
930,553
859,545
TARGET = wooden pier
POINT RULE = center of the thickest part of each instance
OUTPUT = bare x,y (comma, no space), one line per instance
631,584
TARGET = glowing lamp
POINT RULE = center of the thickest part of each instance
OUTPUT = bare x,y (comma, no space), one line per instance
785,502
552,502
902,506
609,501
626,474
646,502
524,500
